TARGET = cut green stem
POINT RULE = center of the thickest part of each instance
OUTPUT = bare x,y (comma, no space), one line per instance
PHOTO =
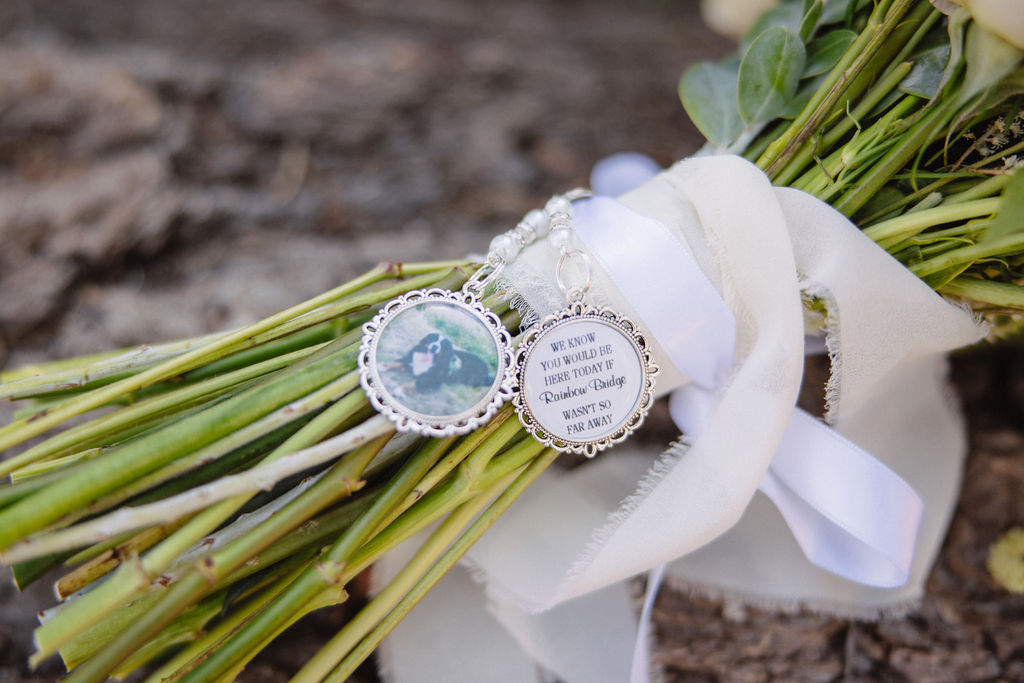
341,480
22,430
895,230
348,657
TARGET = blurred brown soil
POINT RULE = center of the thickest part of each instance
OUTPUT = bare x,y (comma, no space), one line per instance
170,169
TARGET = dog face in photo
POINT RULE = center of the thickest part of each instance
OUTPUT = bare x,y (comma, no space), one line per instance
435,361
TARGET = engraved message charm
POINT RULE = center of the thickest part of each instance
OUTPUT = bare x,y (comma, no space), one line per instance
586,379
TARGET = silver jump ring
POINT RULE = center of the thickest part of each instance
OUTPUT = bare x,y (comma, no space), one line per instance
578,193
483,277
575,290
575,294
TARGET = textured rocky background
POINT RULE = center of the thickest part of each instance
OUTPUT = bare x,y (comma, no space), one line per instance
169,169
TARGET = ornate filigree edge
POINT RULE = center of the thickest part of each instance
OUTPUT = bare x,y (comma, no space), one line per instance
409,421
579,310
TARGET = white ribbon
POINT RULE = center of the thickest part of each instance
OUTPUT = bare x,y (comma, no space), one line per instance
742,252
818,479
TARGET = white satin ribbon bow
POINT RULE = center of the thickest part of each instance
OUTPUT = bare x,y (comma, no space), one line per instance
817,478
711,260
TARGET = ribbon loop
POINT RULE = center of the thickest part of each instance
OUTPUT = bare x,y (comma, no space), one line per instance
676,301
849,513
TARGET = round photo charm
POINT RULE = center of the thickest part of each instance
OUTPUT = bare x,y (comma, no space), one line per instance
585,378
436,362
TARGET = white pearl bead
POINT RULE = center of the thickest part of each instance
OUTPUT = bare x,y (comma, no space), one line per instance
506,247
524,233
561,238
558,204
560,221
538,220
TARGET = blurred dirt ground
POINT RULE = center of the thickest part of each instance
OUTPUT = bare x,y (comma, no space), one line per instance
170,169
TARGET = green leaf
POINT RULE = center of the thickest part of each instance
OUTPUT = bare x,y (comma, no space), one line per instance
788,15
824,53
1009,218
956,29
809,20
802,97
925,77
708,93
834,11
769,74
1011,86
883,199
989,58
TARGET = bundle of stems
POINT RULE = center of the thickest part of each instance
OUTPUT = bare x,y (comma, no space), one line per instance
908,121
201,496
228,485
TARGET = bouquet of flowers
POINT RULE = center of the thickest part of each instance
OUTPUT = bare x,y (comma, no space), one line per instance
203,495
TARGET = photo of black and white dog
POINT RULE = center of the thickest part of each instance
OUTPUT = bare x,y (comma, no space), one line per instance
435,361
438,359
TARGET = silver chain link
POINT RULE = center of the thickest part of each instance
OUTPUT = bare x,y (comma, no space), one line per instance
524,234
570,256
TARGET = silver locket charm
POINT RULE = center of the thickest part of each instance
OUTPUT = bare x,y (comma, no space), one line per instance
436,362
585,375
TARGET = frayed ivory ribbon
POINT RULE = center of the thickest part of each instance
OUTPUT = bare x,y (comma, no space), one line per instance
712,261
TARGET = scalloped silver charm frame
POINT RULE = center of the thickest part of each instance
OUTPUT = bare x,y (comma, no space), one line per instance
407,418
578,312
